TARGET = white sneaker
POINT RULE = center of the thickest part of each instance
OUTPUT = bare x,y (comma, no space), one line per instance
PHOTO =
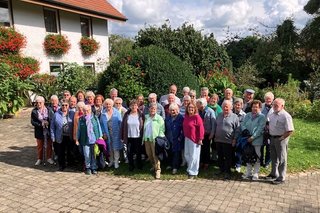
38,162
238,169
116,165
158,174
255,177
246,176
174,171
50,161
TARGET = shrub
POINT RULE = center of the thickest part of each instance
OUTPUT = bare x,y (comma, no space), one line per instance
88,46
21,66
11,41
74,78
158,69
44,85
12,90
56,45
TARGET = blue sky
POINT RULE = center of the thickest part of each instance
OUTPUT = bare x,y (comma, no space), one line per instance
209,16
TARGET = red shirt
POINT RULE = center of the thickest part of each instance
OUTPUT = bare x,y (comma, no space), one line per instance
193,128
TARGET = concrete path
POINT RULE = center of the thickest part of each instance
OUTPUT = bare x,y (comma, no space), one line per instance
26,188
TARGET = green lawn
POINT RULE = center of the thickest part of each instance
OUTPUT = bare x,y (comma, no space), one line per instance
303,155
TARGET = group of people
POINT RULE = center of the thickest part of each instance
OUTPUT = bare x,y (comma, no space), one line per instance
196,130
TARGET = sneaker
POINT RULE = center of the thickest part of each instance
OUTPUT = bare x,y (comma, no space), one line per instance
255,177
238,169
158,174
88,172
246,176
94,172
50,161
174,171
270,177
38,162
278,181
227,177
116,165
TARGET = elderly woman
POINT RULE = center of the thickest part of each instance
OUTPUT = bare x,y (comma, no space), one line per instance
118,105
90,98
185,102
267,109
97,108
227,124
255,122
152,98
153,128
194,133
77,115
80,95
89,131
40,118
193,95
174,134
209,122
171,100
61,130
213,104
132,132
110,121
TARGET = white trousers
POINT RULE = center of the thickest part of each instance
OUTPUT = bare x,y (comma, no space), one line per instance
192,155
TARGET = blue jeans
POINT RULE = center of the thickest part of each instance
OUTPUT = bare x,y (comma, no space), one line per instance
89,159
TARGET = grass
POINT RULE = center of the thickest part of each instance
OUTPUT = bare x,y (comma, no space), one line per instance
303,155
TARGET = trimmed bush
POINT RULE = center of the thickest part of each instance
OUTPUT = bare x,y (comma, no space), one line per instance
11,41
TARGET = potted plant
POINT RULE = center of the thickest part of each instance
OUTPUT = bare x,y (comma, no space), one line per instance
56,44
88,46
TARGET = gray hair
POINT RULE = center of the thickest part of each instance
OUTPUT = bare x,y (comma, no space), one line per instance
174,106
204,89
186,97
236,100
80,105
113,90
269,94
192,92
108,100
54,97
87,107
90,94
202,102
186,89
225,102
152,105
280,100
118,99
152,95
40,99
171,94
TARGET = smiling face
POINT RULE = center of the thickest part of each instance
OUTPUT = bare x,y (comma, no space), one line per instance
108,106
173,89
80,97
213,100
228,94
171,99
64,107
255,108
186,102
174,112
152,111
238,106
278,105
98,101
90,100
191,109
227,108
73,102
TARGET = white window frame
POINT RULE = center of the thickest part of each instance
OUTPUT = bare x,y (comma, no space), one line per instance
55,64
57,20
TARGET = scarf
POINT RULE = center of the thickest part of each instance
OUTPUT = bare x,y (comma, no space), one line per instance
43,114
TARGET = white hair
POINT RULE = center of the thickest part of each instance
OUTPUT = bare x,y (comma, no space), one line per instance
118,99
186,89
225,102
171,94
54,97
204,89
90,94
280,100
269,95
152,95
187,97
87,107
174,106
113,90
108,100
80,105
228,89
202,102
40,99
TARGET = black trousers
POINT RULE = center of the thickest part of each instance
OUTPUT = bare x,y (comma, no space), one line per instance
61,148
205,150
134,147
225,156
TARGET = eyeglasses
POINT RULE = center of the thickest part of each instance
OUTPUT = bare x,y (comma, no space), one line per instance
65,105
118,103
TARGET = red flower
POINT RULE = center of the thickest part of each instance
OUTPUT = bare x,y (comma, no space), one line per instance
56,45
88,46
11,41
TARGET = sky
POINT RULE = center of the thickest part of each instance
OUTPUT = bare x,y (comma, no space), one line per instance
221,17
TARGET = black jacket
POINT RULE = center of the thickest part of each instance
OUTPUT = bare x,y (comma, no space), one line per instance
38,128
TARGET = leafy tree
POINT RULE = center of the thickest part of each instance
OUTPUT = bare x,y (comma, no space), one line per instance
201,52
247,76
118,44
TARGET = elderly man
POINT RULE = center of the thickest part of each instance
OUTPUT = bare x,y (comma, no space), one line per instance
227,124
73,103
280,128
265,158
164,99
205,93
228,95
113,93
209,122
171,100
248,98
66,95
152,98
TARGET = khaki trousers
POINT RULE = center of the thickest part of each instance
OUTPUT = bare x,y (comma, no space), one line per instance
150,150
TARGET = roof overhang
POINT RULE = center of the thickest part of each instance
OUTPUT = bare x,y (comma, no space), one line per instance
75,9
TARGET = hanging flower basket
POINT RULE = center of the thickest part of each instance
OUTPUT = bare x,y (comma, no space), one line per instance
11,41
56,45
88,46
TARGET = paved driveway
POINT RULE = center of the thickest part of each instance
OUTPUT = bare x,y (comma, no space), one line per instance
25,188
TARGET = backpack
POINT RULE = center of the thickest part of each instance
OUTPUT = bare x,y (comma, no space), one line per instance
249,154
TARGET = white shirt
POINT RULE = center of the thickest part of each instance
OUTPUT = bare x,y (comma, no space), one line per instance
164,100
280,122
133,126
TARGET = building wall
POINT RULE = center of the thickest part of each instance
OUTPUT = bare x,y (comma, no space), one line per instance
28,20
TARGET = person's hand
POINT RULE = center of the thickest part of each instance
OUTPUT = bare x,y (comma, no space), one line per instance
250,140
233,143
77,142
200,142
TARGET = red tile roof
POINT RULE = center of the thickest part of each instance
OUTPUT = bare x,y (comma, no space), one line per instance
100,8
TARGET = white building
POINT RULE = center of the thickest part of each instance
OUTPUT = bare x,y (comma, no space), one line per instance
71,18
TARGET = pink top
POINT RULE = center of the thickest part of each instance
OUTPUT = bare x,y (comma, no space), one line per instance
193,128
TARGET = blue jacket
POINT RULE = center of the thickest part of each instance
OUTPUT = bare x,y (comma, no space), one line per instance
209,120
56,126
255,126
174,132
113,138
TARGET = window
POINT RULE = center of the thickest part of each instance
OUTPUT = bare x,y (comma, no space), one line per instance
90,66
55,68
51,20
85,26
4,13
